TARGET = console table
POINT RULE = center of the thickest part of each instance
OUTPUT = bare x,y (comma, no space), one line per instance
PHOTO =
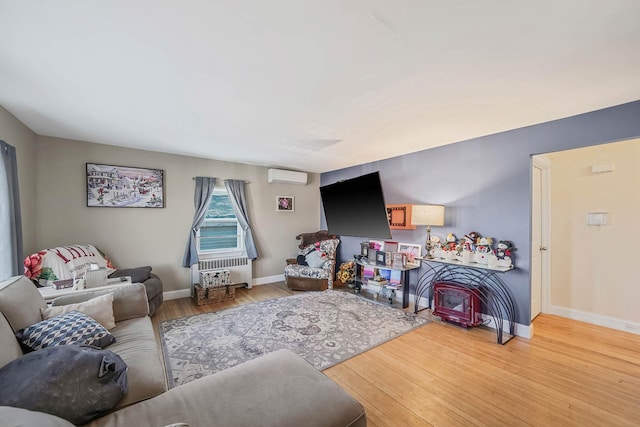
482,280
403,277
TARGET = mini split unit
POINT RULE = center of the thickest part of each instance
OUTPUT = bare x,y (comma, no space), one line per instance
279,176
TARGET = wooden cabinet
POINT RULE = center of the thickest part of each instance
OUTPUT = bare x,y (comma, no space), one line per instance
400,217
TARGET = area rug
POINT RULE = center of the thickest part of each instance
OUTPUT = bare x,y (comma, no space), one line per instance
325,328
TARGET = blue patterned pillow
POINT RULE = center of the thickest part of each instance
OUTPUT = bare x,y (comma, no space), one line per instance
69,328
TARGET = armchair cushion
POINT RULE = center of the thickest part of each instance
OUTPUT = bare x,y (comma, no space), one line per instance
137,274
315,259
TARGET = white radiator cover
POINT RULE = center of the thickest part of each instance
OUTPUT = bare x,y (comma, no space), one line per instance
240,269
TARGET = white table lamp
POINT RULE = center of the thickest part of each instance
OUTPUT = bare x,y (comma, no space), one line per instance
429,215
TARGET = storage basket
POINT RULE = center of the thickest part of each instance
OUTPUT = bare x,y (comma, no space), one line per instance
214,278
212,295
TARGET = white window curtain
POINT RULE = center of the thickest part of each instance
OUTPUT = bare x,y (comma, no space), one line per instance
204,190
10,222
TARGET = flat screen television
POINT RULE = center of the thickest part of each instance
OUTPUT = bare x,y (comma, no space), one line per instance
356,207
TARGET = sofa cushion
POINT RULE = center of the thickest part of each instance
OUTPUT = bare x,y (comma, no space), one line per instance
129,301
18,417
99,309
77,383
69,328
20,302
136,344
9,347
278,389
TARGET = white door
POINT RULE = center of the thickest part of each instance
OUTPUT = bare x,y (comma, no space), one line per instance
539,233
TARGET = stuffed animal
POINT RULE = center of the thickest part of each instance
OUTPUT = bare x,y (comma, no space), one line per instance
503,249
483,245
469,241
450,242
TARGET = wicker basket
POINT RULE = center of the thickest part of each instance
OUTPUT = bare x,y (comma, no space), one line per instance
212,295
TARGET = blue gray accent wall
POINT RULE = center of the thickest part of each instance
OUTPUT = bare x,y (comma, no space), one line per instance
485,183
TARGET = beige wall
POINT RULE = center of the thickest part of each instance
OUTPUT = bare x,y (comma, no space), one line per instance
593,268
157,237
13,132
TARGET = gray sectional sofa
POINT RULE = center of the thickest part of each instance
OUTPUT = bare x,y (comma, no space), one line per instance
278,389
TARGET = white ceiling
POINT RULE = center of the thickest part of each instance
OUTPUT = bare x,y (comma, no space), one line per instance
313,85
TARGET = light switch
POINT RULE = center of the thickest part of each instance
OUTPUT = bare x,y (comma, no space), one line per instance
597,218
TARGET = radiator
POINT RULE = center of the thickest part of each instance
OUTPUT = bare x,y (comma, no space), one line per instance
239,269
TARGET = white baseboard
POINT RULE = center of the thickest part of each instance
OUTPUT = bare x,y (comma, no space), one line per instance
181,293
268,279
596,319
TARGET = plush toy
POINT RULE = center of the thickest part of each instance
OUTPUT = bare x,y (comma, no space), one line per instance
503,249
483,245
450,242
469,241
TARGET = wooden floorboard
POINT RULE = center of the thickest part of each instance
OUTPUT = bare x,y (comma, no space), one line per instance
569,374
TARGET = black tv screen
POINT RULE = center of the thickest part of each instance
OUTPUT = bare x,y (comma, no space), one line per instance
356,207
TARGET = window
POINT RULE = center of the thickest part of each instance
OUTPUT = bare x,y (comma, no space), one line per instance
220,233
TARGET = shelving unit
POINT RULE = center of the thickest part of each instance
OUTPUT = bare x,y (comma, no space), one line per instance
404,285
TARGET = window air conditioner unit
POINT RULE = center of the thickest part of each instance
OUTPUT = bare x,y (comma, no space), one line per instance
280,176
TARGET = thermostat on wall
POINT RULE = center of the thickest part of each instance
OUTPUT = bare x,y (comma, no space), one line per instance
597,218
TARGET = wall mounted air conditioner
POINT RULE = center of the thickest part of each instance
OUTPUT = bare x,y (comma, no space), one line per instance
280,176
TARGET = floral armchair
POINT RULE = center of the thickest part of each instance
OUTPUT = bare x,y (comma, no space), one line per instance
314,267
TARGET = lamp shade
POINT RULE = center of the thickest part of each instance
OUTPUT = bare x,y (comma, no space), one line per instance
427,215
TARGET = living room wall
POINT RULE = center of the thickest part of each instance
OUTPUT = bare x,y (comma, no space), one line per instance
485,183
157,237
589,273
13,132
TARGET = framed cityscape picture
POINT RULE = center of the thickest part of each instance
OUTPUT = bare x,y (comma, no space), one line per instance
110,186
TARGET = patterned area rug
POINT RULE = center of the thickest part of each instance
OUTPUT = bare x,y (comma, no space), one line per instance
325,328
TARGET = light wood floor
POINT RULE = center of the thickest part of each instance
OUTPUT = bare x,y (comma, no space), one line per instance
569,374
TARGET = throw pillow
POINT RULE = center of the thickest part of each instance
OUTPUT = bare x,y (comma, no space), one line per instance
138,274
69,328
74,382
316,259
301,260
99,309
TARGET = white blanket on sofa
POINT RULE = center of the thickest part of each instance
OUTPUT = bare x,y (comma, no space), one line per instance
63,261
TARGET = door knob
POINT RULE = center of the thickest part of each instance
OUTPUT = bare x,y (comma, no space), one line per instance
543,248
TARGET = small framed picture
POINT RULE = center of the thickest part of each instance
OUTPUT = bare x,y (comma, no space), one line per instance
399,260
364,249
284,204
412,252
381,258
377,245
